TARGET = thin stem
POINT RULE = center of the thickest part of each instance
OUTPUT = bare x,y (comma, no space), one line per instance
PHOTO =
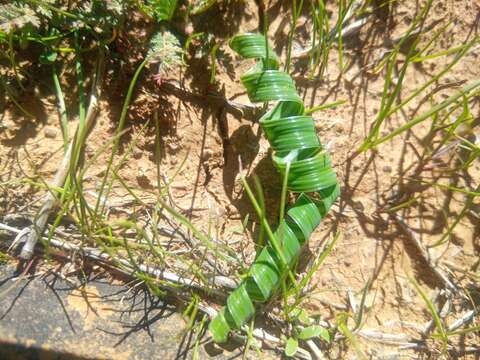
62,107
121,125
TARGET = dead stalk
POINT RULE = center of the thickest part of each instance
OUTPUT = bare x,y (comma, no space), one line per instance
97,255
50,200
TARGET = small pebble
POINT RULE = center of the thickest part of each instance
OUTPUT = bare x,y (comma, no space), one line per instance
207,154
178,185
339,128
172,146
387,169
137,153
358,205
50,133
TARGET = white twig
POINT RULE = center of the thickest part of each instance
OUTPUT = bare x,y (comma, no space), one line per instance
98,255
18,238
464,320
381,337
315,350
9,228
352,300
442,313
264,336
40,220
247,111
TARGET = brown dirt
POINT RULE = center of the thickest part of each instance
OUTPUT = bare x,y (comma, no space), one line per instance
371,246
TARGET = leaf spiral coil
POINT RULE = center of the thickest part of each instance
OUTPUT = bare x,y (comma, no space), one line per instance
291,133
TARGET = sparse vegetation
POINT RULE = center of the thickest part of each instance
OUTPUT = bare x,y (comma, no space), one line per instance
134,138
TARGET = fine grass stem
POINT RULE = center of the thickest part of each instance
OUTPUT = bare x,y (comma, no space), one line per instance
433,311
435,109
121,125
61,105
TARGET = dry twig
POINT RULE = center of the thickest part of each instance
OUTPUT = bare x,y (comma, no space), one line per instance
97,255
50,200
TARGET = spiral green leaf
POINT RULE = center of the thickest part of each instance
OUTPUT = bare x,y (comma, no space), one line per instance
292,135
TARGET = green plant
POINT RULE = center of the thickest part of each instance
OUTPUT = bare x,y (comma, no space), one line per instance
392,101
158,9
324,37
16,17
166,52
4,258
442,334
305,166
342,319
296,12
303,328
52,24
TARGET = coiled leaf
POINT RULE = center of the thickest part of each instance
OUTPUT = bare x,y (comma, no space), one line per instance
292,135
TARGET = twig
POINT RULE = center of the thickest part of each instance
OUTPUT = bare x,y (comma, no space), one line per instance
331,304
352,300
315,350
96,254
347,31
413,346
246,111
384,338
50,200
264,336
464,320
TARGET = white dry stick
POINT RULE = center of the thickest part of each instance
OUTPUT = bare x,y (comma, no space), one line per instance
264,336
40,220
334,305
271,342
315,350
248,111
413,346
352,300
96,254
50,200
346,31
464,320
382,337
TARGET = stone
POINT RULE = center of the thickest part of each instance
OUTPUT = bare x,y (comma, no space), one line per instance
50,133
137,153
387,169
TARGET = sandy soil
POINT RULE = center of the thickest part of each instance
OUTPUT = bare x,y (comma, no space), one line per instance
372,245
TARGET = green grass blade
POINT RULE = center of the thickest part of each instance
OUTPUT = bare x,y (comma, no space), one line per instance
435,109
431,307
